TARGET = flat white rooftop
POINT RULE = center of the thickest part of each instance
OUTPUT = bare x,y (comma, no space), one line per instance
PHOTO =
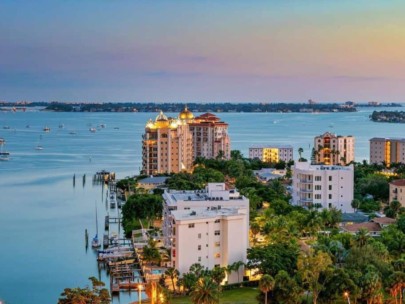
205,213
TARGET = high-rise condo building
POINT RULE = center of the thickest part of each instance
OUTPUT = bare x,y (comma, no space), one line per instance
327,186
388,150
210,136
209,227
166,146
172,144
272,153
332,149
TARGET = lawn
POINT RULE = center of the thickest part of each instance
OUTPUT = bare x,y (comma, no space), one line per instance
239,296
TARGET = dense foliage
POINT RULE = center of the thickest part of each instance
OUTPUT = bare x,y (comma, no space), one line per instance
140,206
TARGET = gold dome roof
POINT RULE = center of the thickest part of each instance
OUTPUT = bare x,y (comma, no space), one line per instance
186,114
161,117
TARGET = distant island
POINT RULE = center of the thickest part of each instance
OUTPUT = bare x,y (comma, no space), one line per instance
388,116
309,107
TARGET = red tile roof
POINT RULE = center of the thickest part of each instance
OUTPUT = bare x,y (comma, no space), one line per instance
398,182
370,226
383,220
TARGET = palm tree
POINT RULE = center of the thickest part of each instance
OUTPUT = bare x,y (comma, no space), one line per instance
300,151
173,274
362,237
205,291
236,267
397,284
266,284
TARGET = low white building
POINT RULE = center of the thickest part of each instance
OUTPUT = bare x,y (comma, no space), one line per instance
329,186
272,153
209,226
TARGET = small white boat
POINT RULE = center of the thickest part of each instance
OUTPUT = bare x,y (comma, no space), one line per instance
39,147
92,130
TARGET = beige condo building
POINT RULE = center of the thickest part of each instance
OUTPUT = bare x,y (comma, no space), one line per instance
397,191
166,146
210,136
332,149
388,150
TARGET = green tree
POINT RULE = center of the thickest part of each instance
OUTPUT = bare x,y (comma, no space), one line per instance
173,274
205,291
310,266
371,286
286,290
266,284
396,285
218,274
97,294
272,258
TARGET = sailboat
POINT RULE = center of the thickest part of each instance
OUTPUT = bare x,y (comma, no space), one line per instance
4,155
95,243
39,147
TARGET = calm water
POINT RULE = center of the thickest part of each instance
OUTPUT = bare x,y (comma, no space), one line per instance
43,217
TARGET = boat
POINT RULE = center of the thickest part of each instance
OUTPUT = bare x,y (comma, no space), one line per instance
39,147
113,200
47,129
72,132
102,126
2,141
92,130
4,155
6,127
116,128
95,243
61,126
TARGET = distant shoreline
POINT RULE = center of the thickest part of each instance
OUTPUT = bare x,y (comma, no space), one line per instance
388,116
194,107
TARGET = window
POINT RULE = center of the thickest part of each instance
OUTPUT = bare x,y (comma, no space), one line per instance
199,259
217,255
330,196
199,247
330,178
318,187
199,235
318,178
217,265
330,187
206,245
318,196
217,232
191,225
217,221
217,244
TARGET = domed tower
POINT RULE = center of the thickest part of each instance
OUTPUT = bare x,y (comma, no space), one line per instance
186,115
166,145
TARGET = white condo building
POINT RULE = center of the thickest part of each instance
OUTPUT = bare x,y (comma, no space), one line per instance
209,227
330,186
272,153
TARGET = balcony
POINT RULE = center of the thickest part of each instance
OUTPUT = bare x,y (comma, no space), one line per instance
306,190
306,181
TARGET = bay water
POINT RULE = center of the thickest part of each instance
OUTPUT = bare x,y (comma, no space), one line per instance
43,216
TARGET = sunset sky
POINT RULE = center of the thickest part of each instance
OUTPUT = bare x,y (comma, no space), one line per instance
202,51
